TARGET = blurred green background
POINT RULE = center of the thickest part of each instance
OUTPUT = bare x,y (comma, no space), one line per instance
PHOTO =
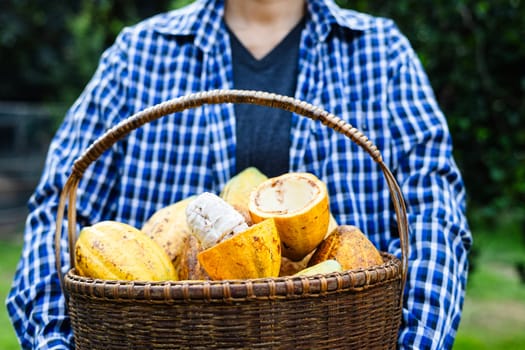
473,52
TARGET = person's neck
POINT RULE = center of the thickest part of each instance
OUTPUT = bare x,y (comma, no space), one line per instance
261,24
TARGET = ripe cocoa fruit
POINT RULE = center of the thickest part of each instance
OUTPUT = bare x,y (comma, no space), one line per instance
113,250
252,253
169,229
237,190
350,247
298,202
324,267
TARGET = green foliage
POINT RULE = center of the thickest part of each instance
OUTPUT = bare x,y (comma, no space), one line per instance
51,49
473,52
179,3
494,309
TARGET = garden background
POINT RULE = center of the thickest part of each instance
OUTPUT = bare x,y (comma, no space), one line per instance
473,52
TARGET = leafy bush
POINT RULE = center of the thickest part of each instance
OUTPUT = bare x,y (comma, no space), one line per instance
54,47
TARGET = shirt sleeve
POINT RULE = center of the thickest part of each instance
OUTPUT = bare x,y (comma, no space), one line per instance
439,237
35,303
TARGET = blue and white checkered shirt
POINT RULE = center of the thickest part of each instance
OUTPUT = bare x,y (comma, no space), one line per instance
359,67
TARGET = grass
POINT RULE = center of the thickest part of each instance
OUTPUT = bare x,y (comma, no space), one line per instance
10,253
494,310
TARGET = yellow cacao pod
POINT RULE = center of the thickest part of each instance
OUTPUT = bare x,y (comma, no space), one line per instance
113,250
169,229
237,190
253,253
350,247
298,202
324,267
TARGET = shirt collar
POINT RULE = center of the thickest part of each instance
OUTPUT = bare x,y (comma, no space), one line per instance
325,14
203,20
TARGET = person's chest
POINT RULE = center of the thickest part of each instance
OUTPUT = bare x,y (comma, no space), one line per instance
194,150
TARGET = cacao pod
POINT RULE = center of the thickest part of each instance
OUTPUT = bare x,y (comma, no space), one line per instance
324,267
298,202
168,227
237,190
350,247
253,253
113,250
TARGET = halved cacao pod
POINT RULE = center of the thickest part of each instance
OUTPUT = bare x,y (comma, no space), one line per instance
253,253
298,202
324,267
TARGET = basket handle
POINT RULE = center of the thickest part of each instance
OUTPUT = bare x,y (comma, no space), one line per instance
217,97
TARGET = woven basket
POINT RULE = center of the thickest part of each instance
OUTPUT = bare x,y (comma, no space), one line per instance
358,309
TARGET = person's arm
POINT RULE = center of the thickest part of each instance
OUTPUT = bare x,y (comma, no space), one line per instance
36,304
435,196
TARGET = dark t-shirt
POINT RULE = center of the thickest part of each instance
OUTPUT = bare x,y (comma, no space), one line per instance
263,133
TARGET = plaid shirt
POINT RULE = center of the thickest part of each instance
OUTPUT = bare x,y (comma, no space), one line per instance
356,66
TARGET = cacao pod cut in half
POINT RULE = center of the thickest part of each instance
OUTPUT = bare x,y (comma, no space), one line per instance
298,202
289,267
332,225
113,250
350,247
253,253
168,227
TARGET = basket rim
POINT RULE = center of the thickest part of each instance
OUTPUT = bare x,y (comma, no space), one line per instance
286,287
